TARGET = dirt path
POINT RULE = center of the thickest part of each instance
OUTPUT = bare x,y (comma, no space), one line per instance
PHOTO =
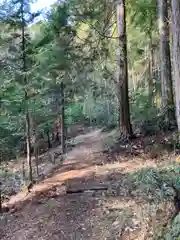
50,213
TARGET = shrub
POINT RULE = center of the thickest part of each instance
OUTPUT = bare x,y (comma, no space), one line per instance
101,112
74,113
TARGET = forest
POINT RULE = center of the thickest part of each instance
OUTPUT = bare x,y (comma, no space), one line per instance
90,120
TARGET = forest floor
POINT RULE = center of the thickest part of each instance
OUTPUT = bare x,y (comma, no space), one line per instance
89,196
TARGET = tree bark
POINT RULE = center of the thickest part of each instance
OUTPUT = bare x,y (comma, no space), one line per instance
49,140
24,69
176,53
152,79
28,139
62,119
124,109
36,151
165,59
28,144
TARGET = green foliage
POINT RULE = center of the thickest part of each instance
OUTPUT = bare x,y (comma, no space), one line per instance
73,45
157,182
100,112
97,112
174,232
74,113
59,18
141,106
147,117
144,115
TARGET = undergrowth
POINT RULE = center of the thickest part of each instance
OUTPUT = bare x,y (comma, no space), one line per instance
157,182
11,183
158,185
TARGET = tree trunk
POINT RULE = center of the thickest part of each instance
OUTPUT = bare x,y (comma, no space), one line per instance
165,59
28,142
24,69
152,79
36,151
49,140
62,119
176,54
124,111
23,170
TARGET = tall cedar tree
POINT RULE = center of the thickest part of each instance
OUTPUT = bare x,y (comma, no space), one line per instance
63,35
176,53
124,109
62,118
24,71
165,60
18,18
151,65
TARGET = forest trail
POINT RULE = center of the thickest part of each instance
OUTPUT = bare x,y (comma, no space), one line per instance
53,211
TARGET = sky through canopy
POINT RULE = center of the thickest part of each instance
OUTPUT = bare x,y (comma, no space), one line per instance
41,4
